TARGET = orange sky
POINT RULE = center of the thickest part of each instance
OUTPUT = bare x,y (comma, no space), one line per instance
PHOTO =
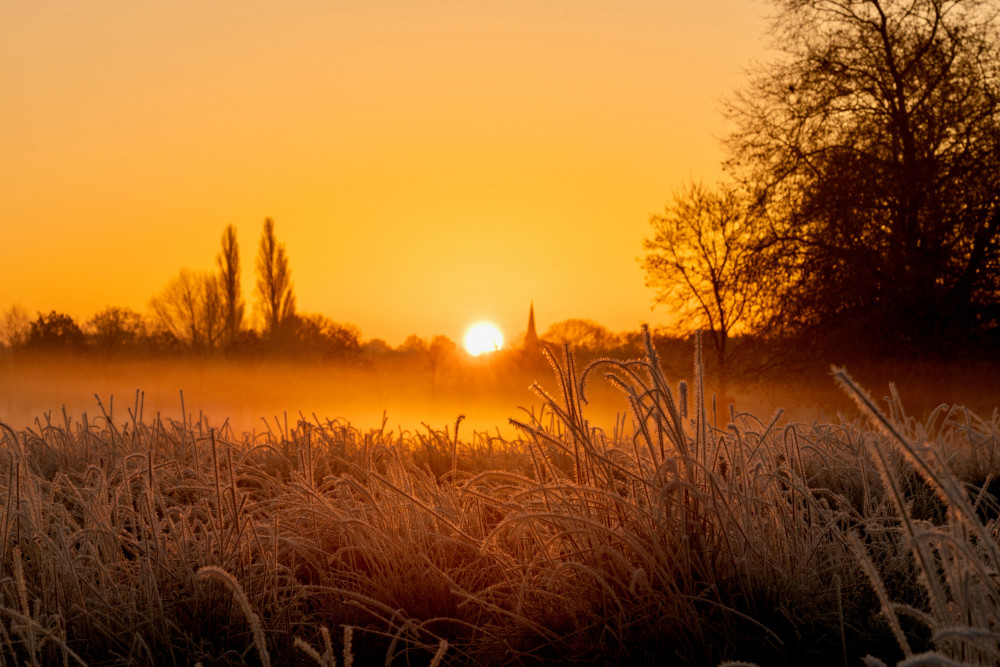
427,164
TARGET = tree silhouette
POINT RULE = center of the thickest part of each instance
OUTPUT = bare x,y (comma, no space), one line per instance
584,335
115,328
15,326
228,262
875,142
56,331
275,298
440,354
431,359
190,308
710,264
319,335
213,314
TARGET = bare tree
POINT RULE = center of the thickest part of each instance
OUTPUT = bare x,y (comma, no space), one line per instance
275,296
228,262
175,309
190,308
875,141
15,326
431,359
440,356
710,264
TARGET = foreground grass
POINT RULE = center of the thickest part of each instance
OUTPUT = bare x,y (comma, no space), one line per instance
665,541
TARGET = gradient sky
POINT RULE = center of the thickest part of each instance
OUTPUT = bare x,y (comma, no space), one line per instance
427,164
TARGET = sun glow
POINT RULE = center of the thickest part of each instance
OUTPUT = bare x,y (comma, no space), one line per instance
483,337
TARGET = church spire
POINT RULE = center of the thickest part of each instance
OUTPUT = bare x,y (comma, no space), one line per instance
531,336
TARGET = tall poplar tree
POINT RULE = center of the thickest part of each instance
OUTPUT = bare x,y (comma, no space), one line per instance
228,262
275,295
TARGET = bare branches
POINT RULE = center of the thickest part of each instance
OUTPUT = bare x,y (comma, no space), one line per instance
710,261
875,145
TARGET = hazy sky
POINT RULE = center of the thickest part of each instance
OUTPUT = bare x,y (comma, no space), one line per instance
427,164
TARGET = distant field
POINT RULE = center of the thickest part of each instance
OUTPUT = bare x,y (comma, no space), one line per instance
245,392
674,536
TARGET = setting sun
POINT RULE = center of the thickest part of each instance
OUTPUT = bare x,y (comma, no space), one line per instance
483,337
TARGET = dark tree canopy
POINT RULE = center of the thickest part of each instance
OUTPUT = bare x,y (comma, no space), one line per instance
116,328
319,335
875,142
56,331
582,335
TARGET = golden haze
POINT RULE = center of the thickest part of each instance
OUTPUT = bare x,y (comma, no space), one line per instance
426,166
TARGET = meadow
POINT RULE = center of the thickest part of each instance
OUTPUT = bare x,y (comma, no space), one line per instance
672,534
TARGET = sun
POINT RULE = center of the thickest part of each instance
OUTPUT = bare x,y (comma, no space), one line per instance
483,337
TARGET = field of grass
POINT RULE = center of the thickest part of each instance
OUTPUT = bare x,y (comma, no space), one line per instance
667,539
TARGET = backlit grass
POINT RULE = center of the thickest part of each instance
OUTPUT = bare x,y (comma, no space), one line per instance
673,538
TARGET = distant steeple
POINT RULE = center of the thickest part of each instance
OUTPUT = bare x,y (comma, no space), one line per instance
531,336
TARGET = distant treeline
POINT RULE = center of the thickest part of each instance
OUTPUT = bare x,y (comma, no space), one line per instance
204,313
859,217
197,312
123,330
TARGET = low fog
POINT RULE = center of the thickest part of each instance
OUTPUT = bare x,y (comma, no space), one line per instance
254,395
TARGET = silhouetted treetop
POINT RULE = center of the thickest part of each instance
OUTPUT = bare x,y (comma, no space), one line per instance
582,335
56,331
319,335
228,263
275,295
116,328
713,267
875,144
190,309
15,326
